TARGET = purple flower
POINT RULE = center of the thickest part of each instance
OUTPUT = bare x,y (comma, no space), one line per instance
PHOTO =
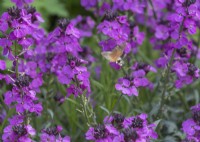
101,133
162,32
190,25
186,72
116,120
89,3
139,36
191,127
85,25
20,132
53,134
25,98
21,3
2,65
126,86
134,128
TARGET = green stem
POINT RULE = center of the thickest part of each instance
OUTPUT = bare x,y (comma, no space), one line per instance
84,103
183,101
117,103
9,113
16,58
154,13
166,79
198,44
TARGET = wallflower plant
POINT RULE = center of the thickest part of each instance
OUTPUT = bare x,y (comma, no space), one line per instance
57,87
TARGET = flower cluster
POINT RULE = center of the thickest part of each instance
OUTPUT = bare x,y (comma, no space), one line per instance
85,25
53,135
119,30
128,85
191,126
118,128
24,97
174,29
186,72
20,30
18,131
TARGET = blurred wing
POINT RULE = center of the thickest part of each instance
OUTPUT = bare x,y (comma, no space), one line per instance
108,56
115,54
121,47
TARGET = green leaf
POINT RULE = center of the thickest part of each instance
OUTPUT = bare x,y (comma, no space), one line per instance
50,112
53,7
105,109
97,84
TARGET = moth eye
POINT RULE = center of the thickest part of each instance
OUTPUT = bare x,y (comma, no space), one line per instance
118,61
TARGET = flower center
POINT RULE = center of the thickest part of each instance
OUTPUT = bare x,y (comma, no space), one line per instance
137,123
130,135
51,131
110,15
189,2
19,130
62,23
22,81
196,117
182,52
100,132
30,9
118,119
14,12
191,69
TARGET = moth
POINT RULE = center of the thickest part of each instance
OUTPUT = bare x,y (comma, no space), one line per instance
115,54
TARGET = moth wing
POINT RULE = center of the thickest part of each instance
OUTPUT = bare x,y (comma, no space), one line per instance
116,54
122,46
108,56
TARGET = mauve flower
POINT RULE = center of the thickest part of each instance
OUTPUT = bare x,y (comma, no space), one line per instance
85,25
53,135
21,3
190,25
6,44
191,127
4,22
2,65
139,123
89,3
180,68
16,120
161,62
101,133
20,132
162,32
126,86
185,72
2,116
105,7
24,96
139,36
116,120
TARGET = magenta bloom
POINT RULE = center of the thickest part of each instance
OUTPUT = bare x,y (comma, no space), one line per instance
2,65
186,73
101,133
18,132
134,129
191,127
21,3
85,25
140,124
53,135
126,86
